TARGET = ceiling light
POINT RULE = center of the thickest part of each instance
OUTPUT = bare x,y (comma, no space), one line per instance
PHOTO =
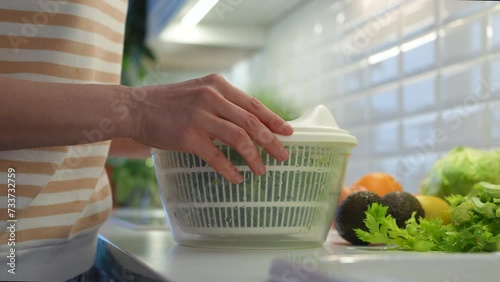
340,18
318,28
489,31
199,10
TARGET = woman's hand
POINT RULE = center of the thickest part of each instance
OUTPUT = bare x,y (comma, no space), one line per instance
188,116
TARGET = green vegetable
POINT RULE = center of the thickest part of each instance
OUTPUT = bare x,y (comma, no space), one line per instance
135,183
291,185
489,189
485,209
461,213
288,183
475,225
284,108
459,170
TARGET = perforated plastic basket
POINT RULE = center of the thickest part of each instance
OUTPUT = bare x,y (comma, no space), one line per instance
292,205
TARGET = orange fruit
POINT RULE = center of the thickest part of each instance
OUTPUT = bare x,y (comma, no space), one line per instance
348,190
379,183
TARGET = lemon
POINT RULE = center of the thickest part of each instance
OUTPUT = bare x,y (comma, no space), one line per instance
435,207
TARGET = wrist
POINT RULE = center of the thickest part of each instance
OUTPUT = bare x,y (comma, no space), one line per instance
124,112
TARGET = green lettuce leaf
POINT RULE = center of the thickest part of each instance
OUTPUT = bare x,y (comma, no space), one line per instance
459,170
474,227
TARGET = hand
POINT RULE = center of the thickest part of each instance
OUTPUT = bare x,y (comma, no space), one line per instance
188,116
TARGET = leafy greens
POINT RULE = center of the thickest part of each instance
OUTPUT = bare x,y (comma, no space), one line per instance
459,170
475,225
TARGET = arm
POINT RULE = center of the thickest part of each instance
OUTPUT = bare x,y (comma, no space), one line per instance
37,114
184,116
128,148
27,124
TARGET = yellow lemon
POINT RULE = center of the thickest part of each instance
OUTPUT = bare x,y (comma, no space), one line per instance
435,207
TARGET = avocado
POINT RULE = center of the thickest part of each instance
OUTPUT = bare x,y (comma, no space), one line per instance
351,213
401,206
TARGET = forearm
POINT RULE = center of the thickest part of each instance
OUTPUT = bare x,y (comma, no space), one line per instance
186,116
128,148
38,114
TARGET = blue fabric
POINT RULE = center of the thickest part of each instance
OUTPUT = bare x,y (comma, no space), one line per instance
92,275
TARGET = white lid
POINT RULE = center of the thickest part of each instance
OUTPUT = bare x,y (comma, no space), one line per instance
317,125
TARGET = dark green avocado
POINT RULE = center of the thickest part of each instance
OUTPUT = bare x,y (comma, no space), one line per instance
351,213
401,206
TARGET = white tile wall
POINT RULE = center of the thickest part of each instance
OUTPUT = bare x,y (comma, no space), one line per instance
363,148
420,58
410,78
451,10
458,85
494,111
493,85
462,40
384,104
417,17
417,131
495,30
353,81
385,71
420,95
464,125
385,139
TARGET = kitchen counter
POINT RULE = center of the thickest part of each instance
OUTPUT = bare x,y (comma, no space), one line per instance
157,250
152,255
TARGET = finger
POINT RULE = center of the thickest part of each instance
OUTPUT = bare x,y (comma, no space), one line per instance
236,137
255,129
264,114
251,104
214,157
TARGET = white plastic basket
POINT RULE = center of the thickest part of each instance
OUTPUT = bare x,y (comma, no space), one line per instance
289,198
291,205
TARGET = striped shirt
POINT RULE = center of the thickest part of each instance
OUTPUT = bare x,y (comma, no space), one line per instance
62,193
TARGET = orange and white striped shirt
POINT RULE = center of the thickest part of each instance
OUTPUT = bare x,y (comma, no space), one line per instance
62,193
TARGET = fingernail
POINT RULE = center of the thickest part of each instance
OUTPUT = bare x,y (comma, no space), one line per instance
284,154
288,127
261,170
238,178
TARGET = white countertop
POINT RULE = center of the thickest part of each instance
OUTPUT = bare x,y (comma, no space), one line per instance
157,250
